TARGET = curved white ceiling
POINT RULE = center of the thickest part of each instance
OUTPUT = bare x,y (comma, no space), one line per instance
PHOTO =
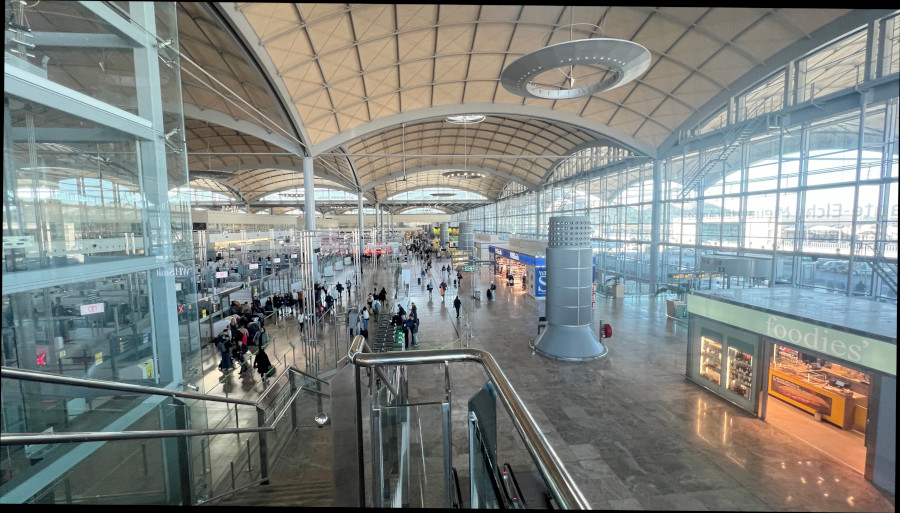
357,86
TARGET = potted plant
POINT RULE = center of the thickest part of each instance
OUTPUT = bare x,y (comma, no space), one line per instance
614,287
672,305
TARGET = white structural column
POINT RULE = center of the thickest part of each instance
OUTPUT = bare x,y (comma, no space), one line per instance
537,213
360,221
655,225
309,198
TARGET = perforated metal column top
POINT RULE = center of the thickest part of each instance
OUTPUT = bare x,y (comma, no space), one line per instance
568,335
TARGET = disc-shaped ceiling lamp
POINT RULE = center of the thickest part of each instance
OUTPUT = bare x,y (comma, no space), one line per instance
619,62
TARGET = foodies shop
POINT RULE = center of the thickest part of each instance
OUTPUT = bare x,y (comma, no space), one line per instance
820,366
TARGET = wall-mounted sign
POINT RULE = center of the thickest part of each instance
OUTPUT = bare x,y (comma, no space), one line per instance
688,276
293,255
222,274
276,260
254,266
177,286
92,308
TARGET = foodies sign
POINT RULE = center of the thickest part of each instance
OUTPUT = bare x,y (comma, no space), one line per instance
871,353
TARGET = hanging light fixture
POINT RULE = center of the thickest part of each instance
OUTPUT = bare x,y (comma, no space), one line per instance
464,173
605,64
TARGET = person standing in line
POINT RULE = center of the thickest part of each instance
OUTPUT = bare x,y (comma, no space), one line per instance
335,293
224,340
457,303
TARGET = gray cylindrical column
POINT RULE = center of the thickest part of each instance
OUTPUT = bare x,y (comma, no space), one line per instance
466,240
466,236
445,233
568,335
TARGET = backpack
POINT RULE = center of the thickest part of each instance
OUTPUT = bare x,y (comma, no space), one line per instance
256,337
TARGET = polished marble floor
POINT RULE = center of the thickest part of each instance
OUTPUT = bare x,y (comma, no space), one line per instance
631,430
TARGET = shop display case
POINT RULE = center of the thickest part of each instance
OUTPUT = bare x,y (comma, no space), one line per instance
711,359
740,372
825,389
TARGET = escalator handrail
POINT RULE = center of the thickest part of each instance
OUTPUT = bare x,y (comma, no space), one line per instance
459,502
551,468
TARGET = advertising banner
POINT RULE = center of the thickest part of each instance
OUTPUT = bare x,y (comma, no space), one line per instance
540,289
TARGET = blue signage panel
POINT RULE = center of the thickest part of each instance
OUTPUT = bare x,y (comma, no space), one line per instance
521,257
540,281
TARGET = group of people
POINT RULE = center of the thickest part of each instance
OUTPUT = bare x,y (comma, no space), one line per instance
234,344
408,323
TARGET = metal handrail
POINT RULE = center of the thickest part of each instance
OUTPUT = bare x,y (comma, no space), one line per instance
559,482
47,377
108,436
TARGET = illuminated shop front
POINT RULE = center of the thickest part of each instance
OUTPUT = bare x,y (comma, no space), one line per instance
532,269
819,366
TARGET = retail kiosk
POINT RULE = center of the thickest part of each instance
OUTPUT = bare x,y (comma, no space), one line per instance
823,356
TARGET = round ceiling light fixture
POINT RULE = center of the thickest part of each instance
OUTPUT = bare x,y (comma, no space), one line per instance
463,174
465,119
604,63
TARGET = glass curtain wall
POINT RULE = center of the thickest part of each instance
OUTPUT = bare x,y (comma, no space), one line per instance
98,264
817,198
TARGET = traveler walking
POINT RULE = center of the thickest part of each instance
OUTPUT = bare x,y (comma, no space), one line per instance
414,327
262,364
456,304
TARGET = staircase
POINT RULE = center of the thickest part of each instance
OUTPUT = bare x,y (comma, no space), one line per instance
385,335
883,268
730,142
303,476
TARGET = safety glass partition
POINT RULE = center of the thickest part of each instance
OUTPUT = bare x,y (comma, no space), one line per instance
411,461
88,196
98,472
98,329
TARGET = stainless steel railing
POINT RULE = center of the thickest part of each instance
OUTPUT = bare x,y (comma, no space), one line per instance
263,427
551,468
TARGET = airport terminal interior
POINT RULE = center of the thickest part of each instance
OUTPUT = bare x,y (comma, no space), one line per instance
449,256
